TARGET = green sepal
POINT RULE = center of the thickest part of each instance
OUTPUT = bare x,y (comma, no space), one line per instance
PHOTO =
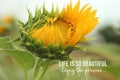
45,11
37,14
30,19
51,51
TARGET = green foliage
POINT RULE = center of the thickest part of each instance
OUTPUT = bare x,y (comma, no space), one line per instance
25,58
110,34
4,44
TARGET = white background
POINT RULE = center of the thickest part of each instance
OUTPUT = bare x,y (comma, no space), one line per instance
108,10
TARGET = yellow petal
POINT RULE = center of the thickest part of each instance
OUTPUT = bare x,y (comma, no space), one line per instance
76,37
58,36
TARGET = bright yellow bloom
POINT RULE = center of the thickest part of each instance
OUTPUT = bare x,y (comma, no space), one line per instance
69,27
5,24
54,34
8,19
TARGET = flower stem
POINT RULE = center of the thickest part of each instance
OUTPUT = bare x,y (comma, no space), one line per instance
42,75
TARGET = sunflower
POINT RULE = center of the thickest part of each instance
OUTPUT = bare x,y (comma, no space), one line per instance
5,23
2,30
55,34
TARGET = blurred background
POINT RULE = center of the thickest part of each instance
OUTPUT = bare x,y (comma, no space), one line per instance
105,43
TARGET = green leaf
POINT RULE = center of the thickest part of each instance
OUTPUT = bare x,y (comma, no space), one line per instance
25,58
5,44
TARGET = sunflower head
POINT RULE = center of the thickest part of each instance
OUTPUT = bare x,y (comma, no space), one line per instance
54,34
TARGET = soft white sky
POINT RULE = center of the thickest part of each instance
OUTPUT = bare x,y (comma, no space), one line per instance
108,10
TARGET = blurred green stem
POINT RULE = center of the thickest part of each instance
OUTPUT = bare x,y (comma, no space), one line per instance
42,75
